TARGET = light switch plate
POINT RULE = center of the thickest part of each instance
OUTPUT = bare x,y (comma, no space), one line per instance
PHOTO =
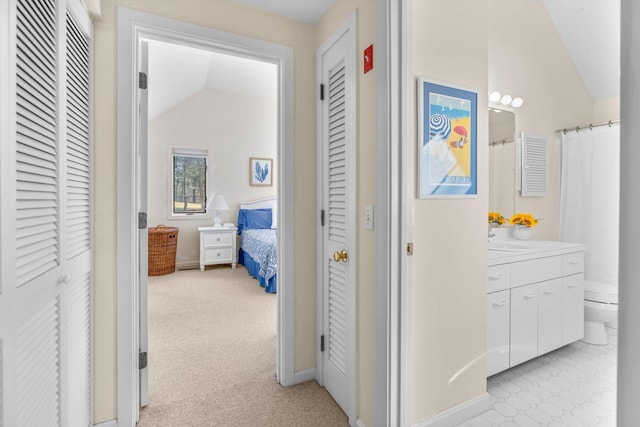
368,217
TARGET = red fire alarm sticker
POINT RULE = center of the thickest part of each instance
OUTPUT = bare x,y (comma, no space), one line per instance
368,59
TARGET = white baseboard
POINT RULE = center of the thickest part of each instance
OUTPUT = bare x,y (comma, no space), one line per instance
303,376
459,413
110,423
187,265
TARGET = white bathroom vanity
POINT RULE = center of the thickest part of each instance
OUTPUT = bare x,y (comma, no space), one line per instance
535,300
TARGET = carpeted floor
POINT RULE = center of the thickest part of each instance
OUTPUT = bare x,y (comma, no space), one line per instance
212,341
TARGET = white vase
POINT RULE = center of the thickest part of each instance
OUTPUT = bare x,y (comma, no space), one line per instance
522,232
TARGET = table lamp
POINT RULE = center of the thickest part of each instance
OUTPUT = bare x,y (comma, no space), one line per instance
217,203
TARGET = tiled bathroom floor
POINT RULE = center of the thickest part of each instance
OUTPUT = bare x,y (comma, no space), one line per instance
573,386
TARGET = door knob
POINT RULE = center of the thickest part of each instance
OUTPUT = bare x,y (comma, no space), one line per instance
340,256
64,279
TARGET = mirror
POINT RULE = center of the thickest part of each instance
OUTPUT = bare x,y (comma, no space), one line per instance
502,156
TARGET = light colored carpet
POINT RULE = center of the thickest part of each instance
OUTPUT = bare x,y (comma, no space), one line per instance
212,345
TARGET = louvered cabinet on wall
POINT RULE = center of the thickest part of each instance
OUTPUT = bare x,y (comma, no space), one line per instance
46,274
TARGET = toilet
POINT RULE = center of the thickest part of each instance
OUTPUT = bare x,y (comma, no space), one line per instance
600,307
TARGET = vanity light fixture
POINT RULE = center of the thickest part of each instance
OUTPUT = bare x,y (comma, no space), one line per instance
495,96
505,100
499,99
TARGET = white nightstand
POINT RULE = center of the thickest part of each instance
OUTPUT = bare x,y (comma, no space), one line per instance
218,246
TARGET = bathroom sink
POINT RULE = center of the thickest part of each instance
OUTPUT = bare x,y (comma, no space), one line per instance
508,245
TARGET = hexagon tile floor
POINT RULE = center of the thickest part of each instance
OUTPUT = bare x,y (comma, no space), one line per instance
573,386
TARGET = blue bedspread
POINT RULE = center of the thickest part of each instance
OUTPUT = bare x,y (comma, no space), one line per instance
261,246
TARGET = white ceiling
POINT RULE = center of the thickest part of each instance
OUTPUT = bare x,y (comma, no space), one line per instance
179,72
590,30
309,11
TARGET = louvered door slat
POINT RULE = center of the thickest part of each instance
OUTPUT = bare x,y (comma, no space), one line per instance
78,148
534,165
33,128
36,133
38,393
80,334
337,217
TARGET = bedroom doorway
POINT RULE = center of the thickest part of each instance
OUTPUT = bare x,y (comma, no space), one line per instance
134,28
198,101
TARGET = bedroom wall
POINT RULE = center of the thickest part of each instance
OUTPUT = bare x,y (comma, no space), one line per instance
235,18
366,151
217,121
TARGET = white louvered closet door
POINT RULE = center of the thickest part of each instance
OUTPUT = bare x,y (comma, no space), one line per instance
46,258
338,127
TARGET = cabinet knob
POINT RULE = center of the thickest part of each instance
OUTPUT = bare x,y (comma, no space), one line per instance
496,277
530,296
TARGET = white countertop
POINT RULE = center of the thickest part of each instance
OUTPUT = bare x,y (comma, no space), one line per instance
538,249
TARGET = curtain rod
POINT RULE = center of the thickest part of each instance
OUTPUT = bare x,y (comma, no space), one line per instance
502,141
589,126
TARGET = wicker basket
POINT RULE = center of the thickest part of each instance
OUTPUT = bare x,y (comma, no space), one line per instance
162,250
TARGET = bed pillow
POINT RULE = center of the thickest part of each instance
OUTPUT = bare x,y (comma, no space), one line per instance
249,219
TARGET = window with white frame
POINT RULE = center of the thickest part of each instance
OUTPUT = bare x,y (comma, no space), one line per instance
188,186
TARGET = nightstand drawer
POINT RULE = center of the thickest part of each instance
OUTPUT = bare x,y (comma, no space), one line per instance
218,239
218,254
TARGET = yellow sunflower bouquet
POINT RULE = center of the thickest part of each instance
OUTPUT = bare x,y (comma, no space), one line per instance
523,219
495,218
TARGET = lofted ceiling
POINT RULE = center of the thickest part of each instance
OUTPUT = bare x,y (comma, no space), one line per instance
179,72
590,30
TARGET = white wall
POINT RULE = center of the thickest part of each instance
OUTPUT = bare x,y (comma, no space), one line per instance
232,127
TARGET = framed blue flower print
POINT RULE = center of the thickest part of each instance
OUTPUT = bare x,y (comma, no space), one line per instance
260,172
447,141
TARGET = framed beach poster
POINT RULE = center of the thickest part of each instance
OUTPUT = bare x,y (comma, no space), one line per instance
260,172
447,141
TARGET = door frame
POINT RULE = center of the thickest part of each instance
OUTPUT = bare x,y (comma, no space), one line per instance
132,26
393,219
347,29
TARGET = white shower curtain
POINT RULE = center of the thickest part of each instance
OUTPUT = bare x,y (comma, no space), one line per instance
590,196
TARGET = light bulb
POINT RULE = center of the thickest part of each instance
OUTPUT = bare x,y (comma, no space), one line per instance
506,100
517,102
494,96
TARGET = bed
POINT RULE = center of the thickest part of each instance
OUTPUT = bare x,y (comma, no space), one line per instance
258,244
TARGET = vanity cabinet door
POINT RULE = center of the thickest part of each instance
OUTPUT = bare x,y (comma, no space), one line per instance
550,314
498,318
524,324
573,308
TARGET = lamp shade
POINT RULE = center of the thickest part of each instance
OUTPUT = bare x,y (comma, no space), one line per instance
218,203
